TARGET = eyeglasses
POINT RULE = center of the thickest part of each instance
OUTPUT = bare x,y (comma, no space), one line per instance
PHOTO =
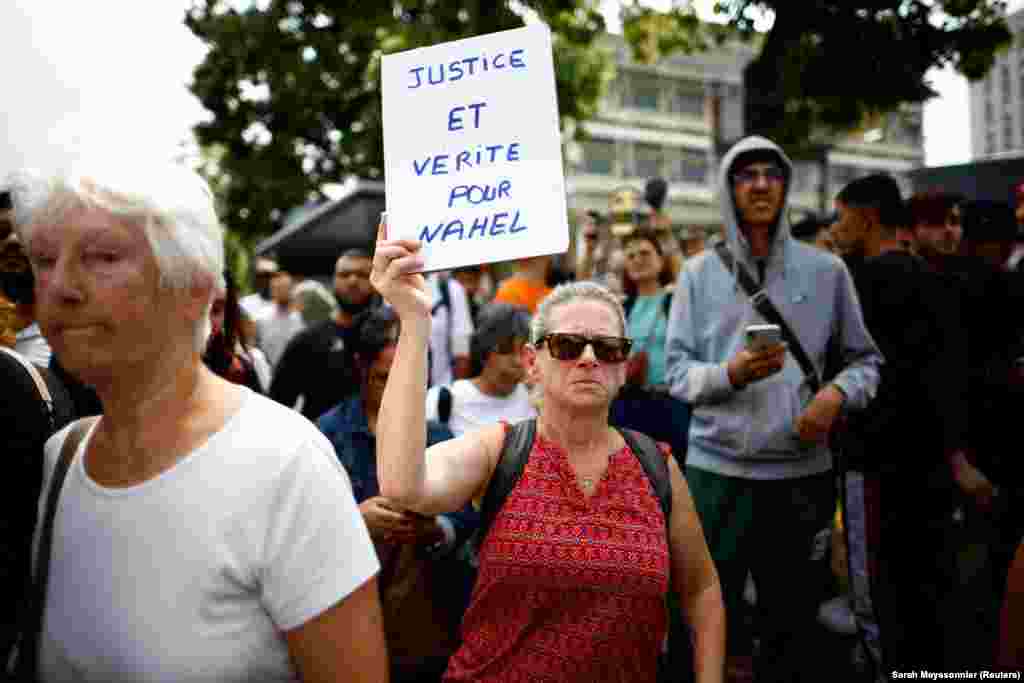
572,346
747,176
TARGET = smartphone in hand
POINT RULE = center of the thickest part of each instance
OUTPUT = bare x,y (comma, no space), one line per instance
761,337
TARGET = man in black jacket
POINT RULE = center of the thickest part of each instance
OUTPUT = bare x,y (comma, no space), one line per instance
317,364
27,419
993,304
898,485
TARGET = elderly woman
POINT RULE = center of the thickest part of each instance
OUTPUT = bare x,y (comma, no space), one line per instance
214,531
575,569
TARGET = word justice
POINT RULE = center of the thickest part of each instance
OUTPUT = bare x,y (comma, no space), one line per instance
436,74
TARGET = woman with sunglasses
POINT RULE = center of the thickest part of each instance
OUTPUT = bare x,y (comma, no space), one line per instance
575,569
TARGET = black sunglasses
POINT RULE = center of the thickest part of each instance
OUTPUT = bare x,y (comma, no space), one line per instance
571,346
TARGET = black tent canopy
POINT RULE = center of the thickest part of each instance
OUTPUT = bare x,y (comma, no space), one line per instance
310,245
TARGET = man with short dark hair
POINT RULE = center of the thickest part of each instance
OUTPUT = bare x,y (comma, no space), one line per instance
901,446
758,461
935,220
993,302
317,365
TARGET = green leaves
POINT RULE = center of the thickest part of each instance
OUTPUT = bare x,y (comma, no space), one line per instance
294,87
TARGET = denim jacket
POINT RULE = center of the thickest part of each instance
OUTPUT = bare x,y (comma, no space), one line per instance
347,428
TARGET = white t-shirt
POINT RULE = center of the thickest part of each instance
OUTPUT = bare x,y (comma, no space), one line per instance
461,329
194,574
471,408
275,329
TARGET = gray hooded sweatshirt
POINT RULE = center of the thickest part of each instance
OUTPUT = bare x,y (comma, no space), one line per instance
751,432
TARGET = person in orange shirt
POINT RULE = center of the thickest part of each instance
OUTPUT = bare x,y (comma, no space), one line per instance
528,285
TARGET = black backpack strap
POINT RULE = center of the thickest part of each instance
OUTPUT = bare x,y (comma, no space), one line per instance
666,304
655,467
444,405
514,454
763,305
28,649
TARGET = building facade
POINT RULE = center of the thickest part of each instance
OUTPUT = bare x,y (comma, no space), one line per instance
997,102
661,120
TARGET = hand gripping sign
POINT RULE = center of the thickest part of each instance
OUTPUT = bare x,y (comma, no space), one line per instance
472,149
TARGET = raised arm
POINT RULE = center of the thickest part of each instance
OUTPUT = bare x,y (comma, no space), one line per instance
695,579
447,476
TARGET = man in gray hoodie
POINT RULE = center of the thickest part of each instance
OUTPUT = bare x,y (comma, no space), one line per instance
758,464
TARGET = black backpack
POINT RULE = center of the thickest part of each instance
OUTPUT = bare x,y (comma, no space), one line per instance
514,454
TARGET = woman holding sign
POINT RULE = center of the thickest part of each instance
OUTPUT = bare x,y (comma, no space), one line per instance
583,527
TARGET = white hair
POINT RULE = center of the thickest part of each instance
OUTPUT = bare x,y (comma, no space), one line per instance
171,203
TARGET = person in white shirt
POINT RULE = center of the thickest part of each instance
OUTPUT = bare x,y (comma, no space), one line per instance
496,392
451,327
203,532
257,302
276,326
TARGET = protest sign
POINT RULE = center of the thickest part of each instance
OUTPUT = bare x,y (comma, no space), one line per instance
472,149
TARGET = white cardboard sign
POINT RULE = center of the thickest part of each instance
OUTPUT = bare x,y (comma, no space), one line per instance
472,149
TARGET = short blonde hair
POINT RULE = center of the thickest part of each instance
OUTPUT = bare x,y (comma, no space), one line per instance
568,292
172,204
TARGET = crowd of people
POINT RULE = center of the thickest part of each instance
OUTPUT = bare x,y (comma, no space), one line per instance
569,474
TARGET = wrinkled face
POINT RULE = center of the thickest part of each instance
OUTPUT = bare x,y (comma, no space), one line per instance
851,230
758,189
504,365
98,296
377,377
585,383
352,280
939,239
643,262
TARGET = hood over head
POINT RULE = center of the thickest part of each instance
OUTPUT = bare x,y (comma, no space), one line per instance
751,148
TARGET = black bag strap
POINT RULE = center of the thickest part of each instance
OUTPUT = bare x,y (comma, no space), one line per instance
764,306
514,454
655,466
28,649
37,378
516,451
444,405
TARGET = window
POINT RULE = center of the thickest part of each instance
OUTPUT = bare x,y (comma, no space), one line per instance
646,160
1007,91
687,99
643,92
598,157
989,112
990,142
1007,134
688,165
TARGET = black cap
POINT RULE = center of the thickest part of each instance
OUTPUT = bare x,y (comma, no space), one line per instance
988,221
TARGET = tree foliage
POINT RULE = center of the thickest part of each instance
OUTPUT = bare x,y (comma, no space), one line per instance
824,66
293,86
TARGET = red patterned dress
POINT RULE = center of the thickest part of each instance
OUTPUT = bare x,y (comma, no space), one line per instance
570,588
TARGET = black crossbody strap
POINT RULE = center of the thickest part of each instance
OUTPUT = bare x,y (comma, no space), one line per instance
763,305
28,649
